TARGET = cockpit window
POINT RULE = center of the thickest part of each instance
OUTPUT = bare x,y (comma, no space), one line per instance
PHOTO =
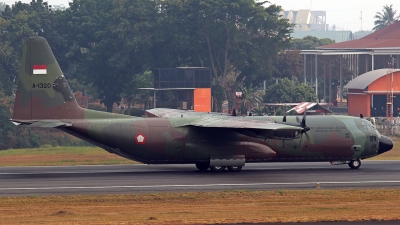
366,125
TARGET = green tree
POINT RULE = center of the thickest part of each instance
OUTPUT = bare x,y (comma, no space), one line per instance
112,42
15,27
288,64
289,91
7,136
218,95
8,67
133,94
236,39
385,18
2,6
309,43
251,97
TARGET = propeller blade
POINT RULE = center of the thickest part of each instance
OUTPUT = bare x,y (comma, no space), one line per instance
284,114
303,121
301,138
308,138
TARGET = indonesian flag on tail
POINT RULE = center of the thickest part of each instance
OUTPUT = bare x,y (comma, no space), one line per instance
39,69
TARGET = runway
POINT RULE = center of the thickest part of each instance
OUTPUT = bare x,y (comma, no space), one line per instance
123,179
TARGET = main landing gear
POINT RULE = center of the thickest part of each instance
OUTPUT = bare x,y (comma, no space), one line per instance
205,166
217,168
355,164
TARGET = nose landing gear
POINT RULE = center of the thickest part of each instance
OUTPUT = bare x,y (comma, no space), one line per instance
355,164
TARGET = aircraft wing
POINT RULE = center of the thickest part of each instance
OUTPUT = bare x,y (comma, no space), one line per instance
250,127
43,123
253,128
170,113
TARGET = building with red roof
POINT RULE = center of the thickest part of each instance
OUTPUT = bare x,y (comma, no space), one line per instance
378,50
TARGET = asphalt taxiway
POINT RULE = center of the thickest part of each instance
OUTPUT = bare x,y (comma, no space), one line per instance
122,179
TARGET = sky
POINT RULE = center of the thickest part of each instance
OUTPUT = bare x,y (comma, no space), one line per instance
344,14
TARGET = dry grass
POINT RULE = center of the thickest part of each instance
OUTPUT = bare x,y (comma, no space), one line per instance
59,156
204,207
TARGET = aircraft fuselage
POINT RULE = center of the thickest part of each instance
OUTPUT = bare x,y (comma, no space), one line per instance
157,140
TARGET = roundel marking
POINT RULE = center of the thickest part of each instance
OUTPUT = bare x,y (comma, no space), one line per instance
140,139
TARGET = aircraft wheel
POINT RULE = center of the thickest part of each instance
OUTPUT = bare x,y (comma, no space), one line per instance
355,164
202,166
234,168
217,168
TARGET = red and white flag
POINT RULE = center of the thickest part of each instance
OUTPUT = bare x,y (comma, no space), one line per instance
39,69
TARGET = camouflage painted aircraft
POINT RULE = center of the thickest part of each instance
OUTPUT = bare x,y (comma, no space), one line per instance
208,140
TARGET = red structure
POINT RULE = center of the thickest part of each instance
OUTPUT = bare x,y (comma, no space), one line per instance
368,93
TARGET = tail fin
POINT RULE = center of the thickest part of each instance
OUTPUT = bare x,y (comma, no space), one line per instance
42,91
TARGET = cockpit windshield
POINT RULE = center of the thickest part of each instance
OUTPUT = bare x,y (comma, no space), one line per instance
367,126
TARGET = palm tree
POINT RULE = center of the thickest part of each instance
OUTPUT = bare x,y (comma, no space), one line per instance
251,97
385,18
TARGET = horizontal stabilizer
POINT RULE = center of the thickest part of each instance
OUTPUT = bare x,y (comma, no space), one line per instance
43,123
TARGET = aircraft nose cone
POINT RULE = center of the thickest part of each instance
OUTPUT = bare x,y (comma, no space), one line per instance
385,144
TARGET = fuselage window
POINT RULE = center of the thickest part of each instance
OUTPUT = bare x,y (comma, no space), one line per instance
372,138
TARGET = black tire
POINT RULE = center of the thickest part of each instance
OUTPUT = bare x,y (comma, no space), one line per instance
217,168
355,164
234,168
203,166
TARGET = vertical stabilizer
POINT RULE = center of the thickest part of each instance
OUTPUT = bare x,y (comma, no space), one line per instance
42,91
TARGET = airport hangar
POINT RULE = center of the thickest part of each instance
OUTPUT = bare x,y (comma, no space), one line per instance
378,50
368,93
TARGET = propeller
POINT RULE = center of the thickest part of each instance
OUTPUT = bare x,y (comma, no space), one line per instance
284,114
305,128
301,124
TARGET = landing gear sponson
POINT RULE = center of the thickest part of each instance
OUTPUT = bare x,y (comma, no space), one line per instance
206,166
234,163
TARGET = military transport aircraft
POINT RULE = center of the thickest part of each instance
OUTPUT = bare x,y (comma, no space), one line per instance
208,140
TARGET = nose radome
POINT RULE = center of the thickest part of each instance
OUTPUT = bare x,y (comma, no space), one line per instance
385,144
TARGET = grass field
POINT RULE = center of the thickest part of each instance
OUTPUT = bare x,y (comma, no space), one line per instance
204,207
59,156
